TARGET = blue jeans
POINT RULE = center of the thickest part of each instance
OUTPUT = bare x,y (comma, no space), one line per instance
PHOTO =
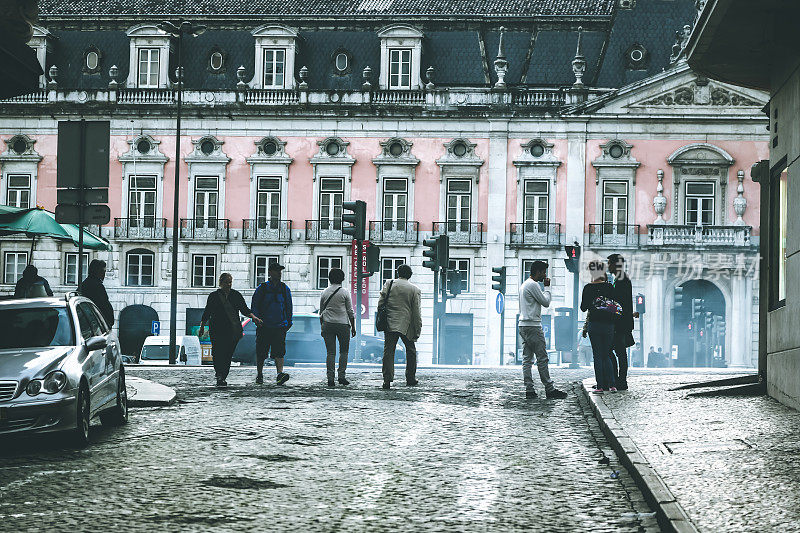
601,336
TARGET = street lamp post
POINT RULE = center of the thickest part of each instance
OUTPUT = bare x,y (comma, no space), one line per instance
177,31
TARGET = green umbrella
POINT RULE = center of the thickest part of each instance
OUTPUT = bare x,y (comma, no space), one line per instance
37,222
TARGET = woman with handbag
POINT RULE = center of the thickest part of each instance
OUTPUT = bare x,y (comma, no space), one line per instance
338,322
603,312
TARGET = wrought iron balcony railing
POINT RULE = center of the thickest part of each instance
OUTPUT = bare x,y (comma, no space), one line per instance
266,229
140,228
688,235
460,232
614,235
325,230
535,234
205,229
394,231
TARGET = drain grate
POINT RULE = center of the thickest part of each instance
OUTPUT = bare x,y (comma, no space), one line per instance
675,447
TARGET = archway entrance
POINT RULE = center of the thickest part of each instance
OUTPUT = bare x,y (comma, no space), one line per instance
135,325
698,325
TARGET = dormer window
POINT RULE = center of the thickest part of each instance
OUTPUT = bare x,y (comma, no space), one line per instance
274,68
91,62
148,67
216,61
401,51
399,68
275,53
149,57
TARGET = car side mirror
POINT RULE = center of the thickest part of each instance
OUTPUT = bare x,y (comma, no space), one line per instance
96,343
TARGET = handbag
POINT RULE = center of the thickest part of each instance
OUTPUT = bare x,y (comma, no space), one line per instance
382,315
326,302
608,306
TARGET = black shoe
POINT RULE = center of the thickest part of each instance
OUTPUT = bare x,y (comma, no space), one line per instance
282,378
412,383
556,394
259,379
343,381
331,383
387,385
530,393
221,383
623,385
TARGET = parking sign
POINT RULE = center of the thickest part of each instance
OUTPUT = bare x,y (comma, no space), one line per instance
156,328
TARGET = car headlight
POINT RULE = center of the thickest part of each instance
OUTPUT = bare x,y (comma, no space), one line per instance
54,382
34,387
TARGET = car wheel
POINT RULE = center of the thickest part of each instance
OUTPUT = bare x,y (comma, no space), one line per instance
118,415
80,435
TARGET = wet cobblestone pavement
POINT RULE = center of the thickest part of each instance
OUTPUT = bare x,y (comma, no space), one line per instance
733,463
463,451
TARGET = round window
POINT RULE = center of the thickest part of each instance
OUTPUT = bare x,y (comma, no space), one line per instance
207,147
615,151
396,149
216,61
341,61
537,150
92,60
460,149
270,148
332,148
143,146
19,146
637,55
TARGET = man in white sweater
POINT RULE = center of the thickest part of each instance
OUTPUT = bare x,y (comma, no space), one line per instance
533,295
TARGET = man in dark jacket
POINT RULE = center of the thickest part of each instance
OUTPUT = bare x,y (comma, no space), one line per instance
272,303
31,284
92,287
623,332
222,315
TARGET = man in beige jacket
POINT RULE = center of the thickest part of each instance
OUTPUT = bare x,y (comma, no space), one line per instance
405,322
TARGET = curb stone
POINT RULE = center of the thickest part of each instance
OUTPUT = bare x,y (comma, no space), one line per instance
144,393
670,514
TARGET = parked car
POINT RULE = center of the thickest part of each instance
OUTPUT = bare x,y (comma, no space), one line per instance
304,344
60,367
155,350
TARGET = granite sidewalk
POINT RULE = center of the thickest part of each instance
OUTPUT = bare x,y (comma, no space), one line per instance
707,463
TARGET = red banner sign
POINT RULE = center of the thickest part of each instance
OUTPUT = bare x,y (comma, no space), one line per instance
354,277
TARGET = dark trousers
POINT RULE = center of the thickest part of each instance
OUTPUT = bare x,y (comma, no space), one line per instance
330,333
390,339
222,348
601,336
619,357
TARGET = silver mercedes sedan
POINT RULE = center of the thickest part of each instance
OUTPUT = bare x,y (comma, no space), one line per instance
60,367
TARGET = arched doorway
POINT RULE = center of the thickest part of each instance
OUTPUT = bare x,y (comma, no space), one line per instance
698,325
135,325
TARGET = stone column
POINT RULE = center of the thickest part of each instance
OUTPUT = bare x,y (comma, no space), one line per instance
575,199
496,236
657,320
736,341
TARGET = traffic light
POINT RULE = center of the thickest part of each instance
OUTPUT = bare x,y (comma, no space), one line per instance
697,304
444,251
454,282
678,297
573,259
640,303
355,222
709,319
432,253
499,279
373,258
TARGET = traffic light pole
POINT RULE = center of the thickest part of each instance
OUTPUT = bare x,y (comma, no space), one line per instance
359,277
435,344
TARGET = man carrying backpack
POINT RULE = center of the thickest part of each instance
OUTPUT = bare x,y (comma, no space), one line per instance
272,303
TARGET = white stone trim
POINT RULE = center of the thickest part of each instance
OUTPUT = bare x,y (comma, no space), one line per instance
148,36
136,164
702,155
400,36
328,166
274,36
202,165
544,167
608,168
42,43
452,166
25,163
403,166
276,165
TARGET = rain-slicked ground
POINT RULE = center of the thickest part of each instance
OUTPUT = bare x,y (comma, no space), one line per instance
464,451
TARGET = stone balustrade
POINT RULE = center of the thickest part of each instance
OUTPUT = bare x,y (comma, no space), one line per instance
688,235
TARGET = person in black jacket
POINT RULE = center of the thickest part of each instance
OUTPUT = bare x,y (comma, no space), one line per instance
92,287
222,315
623,333
599,325
31,284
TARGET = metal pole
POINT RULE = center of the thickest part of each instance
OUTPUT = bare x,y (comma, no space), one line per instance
359,278
173,302
641,337
435,344
574,321
82,197
442,316
502,330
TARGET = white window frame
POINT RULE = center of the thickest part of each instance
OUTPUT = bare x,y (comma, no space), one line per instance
261,264
274,37
206,262
461,196
400,61
534,225
20,261
324,264
331,195
137,164
272,197
148,36
461,264
271,69
615,198
400,37
202,199
151,76
394,219
18,191
142,201
71,263
140,254
700,199
393,263
14,164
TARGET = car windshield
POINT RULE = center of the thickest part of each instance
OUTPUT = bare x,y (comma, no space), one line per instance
34,327
155,351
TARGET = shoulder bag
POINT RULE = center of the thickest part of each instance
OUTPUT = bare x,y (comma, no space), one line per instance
326,302
382,315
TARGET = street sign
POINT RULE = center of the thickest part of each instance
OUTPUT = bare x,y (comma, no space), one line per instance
90,196
500,303
94,152
156,327
92,214
354,267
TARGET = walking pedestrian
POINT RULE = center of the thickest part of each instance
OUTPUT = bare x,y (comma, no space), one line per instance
225,328
623,330
533,295
31,284
272,303
338,322
402,300
92,287
597,299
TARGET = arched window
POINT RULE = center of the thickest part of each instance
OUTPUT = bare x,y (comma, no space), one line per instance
140,268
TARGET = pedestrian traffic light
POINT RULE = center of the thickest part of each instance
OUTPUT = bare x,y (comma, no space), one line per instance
373,258
354,223
454,282
432,253
573,259
640,304
499,279
678,297
697,305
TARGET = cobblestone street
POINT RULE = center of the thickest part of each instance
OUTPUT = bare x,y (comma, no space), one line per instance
464,451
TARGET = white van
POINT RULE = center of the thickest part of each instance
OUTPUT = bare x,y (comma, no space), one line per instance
155,350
